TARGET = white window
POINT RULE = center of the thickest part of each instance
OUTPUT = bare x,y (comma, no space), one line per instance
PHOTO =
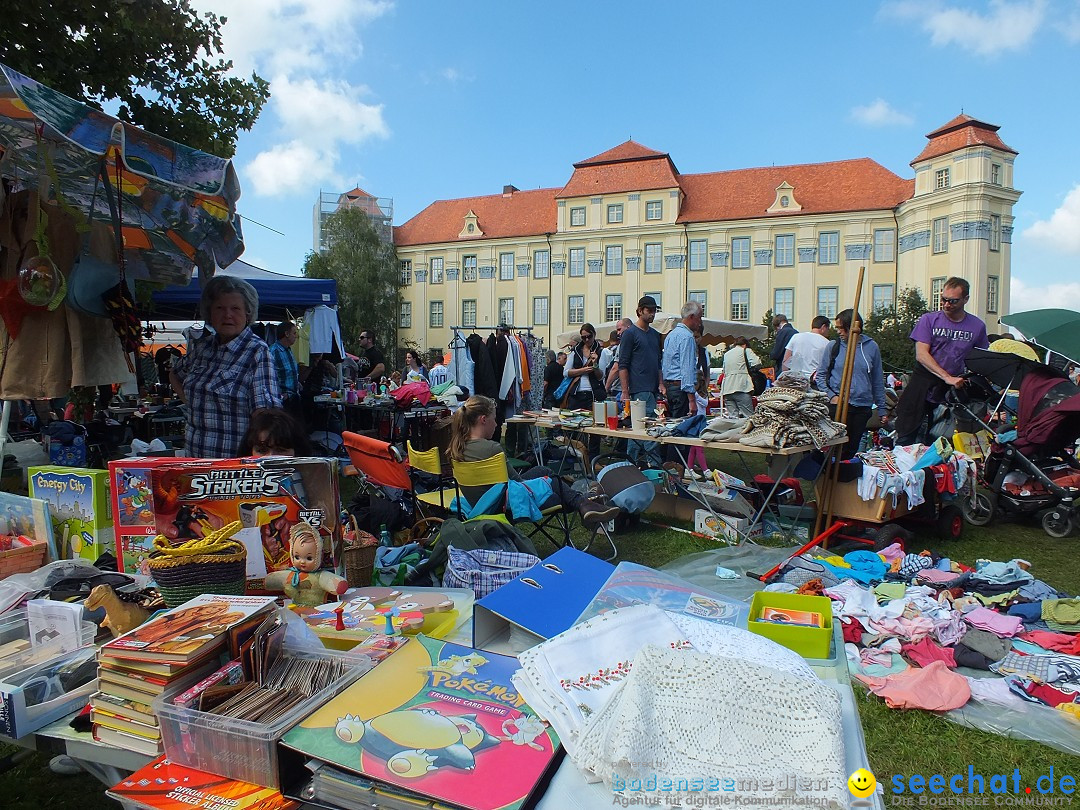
613,260
995,232
506,266
884,239
406,272
699,254
659,300
541,264
740,304
468,312
577,217
436,271
937,287
540,312
941,235
826,301
740,252
405,316
784,302
506,311
468,264
577,261
941,178
614,214
829,249
785,250
575,309
435,315
700,296
654,257
995,174
613,307
884,297
654,209
991,294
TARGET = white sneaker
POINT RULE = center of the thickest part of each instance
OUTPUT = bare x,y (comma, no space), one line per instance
64,765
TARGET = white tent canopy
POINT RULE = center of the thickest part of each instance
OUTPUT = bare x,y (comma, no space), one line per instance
716,332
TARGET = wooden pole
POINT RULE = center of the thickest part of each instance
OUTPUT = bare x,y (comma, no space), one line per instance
832,462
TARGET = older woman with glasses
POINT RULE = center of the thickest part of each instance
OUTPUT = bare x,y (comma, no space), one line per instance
227,373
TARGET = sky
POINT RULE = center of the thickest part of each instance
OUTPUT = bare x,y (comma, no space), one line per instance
419,100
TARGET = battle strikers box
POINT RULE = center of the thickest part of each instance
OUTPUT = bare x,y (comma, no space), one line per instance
187,498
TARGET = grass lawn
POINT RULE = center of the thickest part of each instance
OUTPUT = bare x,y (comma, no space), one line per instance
898,742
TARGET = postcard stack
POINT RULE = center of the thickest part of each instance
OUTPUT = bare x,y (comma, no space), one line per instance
172,651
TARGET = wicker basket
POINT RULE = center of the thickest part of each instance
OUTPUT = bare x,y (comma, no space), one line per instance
213,564
359,556
23,559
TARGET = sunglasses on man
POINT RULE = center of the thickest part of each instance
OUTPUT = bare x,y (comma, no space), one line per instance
951,301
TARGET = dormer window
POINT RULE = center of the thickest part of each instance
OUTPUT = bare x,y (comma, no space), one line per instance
471,227
784,201
941,178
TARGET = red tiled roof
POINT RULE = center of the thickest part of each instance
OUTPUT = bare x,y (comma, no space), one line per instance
628,167
629,150
961,132
523,213
846,185
357,192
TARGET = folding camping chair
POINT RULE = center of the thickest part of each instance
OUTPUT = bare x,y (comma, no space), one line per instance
380,464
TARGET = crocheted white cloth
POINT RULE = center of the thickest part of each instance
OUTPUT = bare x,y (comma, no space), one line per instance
684,715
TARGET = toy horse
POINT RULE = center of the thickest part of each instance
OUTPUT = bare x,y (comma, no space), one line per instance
120,616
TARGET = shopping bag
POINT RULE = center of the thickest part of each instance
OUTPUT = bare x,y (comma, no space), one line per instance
484,571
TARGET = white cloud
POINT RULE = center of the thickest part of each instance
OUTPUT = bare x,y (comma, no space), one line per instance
1070,27
451,74
291,166
879,113
985,29
1062,231
1026,297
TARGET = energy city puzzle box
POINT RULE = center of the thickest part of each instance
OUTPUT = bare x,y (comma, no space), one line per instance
188,498
80,507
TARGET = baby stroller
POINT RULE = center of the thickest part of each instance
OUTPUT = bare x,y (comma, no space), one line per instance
1031,470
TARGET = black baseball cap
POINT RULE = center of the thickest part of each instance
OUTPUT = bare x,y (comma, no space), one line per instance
646,302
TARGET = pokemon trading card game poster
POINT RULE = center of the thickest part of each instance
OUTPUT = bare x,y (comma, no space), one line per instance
440,720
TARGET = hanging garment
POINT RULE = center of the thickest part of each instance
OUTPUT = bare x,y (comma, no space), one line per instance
484,379
324,331
461,365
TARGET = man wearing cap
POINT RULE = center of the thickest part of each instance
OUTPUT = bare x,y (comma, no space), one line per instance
639,371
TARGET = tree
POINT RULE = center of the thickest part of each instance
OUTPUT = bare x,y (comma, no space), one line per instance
891,329
762,347
366,271
160,60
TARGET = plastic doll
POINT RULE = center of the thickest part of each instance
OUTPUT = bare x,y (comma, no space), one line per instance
304,582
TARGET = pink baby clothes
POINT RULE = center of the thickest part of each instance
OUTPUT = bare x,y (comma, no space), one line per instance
935,577
892,552
928,651
934,687
1061,642
998,624
913,629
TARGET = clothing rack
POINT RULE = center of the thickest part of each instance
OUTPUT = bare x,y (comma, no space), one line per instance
492,328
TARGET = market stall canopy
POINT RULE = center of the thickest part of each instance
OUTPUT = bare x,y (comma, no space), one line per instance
1055,329
177,204
279,295
716,332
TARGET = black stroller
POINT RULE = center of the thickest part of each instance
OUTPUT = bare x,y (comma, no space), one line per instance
1040,454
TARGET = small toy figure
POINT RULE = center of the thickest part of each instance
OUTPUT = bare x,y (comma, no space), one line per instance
304,583
120,616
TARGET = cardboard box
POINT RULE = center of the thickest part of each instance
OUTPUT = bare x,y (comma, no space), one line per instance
544,601
186,498
724,527
80,506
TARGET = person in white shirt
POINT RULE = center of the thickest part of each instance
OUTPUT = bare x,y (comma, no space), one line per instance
803,351
737,387
438,374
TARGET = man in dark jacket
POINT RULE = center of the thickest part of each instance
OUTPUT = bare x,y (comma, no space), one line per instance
784,332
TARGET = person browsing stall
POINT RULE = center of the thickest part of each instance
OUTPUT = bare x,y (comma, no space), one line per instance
613,383
943,340
867,387
639,371
553,377
227,373
371,363
414,370
737,386
803,352
273,432
472,428
680,363
784,333
288,372
586,363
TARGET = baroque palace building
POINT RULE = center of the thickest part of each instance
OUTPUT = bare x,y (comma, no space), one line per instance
784,238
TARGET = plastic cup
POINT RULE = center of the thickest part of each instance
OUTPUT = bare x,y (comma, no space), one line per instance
613,423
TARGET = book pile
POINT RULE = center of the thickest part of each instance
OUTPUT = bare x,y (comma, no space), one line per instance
172,651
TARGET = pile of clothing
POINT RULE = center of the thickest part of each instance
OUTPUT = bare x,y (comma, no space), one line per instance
639,693
926,632
789,414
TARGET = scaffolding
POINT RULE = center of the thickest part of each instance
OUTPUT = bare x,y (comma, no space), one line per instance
379,209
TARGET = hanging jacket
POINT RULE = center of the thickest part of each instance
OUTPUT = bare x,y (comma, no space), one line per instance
486,383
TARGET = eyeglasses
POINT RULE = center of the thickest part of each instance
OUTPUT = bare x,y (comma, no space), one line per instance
952,301
365,337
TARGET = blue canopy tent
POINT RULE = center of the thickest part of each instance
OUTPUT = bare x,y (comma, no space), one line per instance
279,294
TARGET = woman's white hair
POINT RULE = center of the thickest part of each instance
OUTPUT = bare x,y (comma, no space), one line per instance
223,285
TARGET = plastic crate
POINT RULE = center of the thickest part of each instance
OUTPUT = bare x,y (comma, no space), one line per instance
15,626
240,749
809,642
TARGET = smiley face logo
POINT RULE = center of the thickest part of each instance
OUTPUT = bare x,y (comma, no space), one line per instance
861,783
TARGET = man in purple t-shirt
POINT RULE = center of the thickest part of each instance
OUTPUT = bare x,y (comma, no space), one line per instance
943,339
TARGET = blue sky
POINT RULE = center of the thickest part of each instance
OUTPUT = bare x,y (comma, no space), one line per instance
420,100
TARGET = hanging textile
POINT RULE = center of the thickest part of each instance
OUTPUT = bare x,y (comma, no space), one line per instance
461,365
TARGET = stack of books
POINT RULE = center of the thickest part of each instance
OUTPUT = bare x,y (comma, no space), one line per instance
173,650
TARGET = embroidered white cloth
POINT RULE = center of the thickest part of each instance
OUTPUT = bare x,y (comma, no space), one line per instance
569,677
681,714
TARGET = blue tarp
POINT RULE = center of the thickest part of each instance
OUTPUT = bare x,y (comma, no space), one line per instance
277,293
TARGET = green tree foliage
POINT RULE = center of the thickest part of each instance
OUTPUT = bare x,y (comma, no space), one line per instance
891,330
762,347
368,278
159,60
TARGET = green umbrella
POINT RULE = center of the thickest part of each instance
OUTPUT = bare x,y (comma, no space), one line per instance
1055,329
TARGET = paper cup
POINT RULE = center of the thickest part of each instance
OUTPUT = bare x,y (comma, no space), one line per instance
637,415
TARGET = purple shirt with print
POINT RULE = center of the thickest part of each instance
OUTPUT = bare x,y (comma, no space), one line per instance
950,342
